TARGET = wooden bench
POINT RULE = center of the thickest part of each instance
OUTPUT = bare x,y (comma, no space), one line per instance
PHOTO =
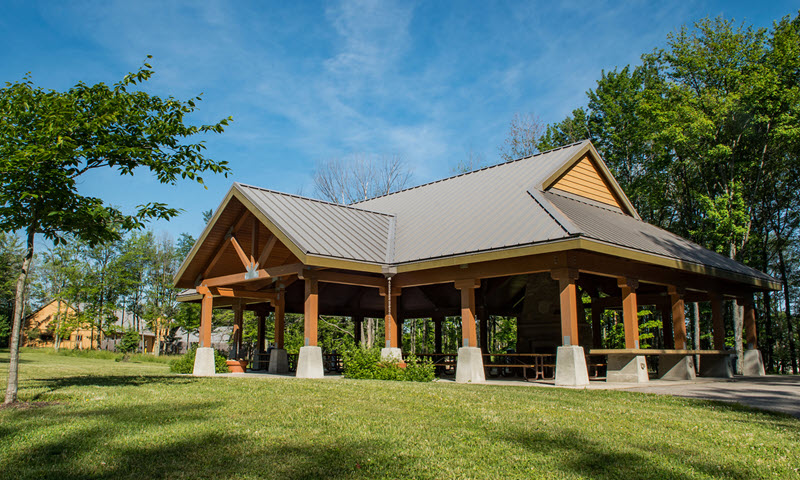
537,364
673,364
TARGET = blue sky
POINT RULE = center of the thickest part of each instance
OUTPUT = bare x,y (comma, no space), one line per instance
308,81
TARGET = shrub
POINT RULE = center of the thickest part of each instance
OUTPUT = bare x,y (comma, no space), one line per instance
130,341
185,364
366,363
419,369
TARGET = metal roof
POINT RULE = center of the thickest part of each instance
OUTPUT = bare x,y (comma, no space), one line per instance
482,210
497,207
322,228
608,225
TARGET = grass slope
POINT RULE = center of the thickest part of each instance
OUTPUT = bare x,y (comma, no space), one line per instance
128,420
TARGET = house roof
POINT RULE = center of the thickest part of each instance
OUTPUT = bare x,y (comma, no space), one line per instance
505,206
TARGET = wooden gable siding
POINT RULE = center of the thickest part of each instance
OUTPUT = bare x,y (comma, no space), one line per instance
584,180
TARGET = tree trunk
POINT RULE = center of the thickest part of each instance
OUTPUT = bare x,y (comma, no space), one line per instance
788,310
370,333
19,308
696,331
56,336
738,317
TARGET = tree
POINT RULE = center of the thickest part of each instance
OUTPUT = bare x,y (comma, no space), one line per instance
704,137
360,177
523,137
49,139
11,253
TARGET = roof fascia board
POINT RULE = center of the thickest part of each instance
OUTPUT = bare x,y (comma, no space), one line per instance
335,262
597,161
637,255
591,245
201,239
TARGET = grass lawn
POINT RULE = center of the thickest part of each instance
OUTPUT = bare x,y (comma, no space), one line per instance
110,419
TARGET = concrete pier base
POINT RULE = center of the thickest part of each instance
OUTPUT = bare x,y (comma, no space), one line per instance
278,361
676,367
469,365
309,363
571,367
627,369
753,364
204,362
393,353
716,366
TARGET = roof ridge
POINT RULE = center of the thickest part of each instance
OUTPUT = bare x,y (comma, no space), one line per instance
313,199
476,171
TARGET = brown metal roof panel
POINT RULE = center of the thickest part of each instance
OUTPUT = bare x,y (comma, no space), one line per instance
613,227
322,228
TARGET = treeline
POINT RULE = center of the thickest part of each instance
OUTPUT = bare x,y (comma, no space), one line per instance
704,137
111,287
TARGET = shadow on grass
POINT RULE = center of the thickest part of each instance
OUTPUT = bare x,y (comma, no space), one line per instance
114,443
7,360
576,454
53,385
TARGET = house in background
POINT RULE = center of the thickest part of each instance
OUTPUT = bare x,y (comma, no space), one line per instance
40,328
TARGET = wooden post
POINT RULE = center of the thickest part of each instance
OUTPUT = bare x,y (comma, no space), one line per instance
750,330
717,322
630,311
678,317
206,307
238,320
597,324
357,321
569,305
390,322
437,332
484,329
469,337
310,312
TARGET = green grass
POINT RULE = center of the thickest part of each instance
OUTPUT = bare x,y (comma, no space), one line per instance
102,354
135,420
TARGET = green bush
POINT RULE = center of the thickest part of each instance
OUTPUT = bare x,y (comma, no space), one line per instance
185,364
130,341
419,369
366,363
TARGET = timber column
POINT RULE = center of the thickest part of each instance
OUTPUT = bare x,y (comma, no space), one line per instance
752,364
309,363
391,349
278,359
678,366
469,364
628,368
570,359
204,360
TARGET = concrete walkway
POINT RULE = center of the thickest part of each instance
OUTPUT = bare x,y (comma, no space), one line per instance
776,393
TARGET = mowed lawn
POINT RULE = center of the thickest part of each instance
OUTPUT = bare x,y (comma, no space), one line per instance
107,419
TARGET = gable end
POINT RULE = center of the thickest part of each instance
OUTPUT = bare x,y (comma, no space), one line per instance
584,180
